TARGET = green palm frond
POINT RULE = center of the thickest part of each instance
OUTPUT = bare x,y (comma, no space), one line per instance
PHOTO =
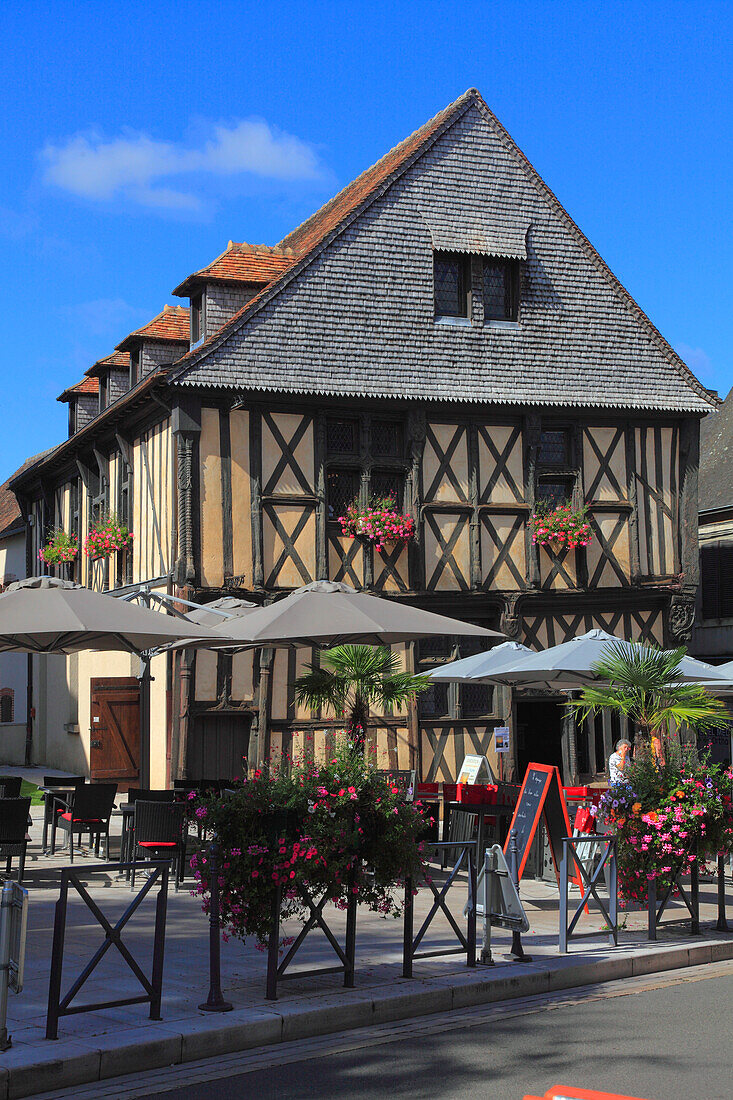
645,685
358,674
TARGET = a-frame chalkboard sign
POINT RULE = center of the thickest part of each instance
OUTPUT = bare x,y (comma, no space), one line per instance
541,793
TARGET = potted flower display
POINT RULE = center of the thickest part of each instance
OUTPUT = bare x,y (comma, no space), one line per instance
670,809
106,536
379,523
560,527
341,828
61,547
667,816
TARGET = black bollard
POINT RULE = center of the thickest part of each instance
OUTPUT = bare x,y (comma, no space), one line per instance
722,925
215,1001
517,949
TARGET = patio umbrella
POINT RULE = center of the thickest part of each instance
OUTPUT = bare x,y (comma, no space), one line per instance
219,612
570,665
483,666
328,613
46,615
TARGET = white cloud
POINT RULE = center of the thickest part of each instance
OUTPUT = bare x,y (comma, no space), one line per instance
134,165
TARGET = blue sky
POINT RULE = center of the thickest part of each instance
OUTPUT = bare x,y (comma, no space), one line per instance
138,138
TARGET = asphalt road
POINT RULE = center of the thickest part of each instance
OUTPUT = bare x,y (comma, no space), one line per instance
667,1037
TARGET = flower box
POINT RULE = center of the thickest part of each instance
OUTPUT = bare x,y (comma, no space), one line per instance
380,523
107,536
61,547
561,528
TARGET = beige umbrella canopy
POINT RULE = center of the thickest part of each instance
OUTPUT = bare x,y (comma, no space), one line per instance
328,613
46,615
219,612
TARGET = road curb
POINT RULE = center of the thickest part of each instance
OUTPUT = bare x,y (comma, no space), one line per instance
25,1071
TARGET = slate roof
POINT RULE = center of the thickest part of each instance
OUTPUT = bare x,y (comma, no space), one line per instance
118,360
605,353
247,263
716,459
172,323
11,520
87,385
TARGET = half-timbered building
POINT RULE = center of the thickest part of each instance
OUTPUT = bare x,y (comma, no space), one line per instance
441,331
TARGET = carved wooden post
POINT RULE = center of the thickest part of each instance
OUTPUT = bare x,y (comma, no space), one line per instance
416,562
321,514
186,425
255,475
532,428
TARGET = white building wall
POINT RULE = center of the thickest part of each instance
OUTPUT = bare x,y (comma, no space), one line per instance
13,666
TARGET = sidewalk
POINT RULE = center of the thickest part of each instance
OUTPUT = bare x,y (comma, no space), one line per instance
103,1044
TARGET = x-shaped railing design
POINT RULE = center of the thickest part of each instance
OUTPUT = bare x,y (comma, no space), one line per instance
277,971
62,1006
590,882
692,901
466,942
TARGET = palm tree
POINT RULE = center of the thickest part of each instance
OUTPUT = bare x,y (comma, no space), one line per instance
644,684
351,678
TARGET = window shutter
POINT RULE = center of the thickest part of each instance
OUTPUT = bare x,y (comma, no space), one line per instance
710,580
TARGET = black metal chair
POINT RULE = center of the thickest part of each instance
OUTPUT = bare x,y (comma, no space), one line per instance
50,801
136,794
89,810
13,832
10,786
160,834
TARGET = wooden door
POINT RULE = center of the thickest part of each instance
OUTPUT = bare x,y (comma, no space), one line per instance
114,753
218,746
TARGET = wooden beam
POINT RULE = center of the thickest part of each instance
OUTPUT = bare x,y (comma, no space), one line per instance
125,448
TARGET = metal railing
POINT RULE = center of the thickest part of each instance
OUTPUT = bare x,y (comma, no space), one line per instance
589,878
59,1006
467,941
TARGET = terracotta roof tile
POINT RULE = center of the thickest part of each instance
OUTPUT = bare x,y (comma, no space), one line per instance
87,385
246,263
320,224
118,360
172,323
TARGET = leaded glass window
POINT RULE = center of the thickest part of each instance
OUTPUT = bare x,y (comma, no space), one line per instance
476,699
554,447
451,283
342,490
386,439
555,491
387,483
342,436
433,703
501,290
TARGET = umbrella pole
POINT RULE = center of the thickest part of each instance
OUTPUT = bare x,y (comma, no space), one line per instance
144,679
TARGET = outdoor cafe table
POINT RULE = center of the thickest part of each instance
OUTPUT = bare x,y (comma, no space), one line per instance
56,793
484,812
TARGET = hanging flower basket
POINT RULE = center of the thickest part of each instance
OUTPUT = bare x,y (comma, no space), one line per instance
341,829
379,524
562,527
105,537
61,547
667,815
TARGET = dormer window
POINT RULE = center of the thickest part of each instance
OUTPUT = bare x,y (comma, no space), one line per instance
134,366
501,290
72,418
103,392
198,318
451,283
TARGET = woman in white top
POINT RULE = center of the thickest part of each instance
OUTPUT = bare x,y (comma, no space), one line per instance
617,761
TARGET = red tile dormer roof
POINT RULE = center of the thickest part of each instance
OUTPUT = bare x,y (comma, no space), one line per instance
87,385
118,360
240,263
171,324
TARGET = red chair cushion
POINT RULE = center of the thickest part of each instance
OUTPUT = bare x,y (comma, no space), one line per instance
157,843
82,820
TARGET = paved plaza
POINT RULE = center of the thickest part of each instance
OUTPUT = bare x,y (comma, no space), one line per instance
101,1044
